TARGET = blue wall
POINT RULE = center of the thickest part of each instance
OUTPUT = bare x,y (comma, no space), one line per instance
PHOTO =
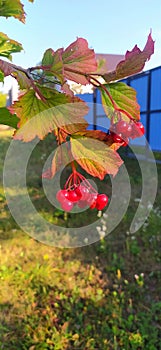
148,88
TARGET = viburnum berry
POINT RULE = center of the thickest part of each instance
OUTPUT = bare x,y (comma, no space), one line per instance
92,200
121,127
138,129
129,130
84,192
73,196
67,205
78,191
117,138
102,201
61,195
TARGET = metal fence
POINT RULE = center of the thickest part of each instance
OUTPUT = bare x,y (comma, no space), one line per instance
148,87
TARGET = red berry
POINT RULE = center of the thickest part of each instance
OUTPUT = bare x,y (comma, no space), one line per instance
121,127
125,143
84,192
93,205
91,200
117,138
140,126
67,205
78,192
102,201
138,129
129,130
73,196
61,195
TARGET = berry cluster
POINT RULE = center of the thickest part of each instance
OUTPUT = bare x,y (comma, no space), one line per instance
122,131
78,191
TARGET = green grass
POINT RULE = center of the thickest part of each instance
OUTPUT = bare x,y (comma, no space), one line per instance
105,296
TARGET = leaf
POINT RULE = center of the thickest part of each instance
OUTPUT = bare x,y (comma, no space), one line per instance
101,136
124,101
95,157
61,158
8,46
78,59
66,88
8,69
1,76
61,135
13,8
7,118
23,81
52,64
134,61
44,118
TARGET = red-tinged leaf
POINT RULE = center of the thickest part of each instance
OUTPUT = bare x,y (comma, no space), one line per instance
57,111
61,159
134,61
61,135
13,8
78,59
52,64
120,100
22,79
95,157
101,136
66,88
6,68
8,46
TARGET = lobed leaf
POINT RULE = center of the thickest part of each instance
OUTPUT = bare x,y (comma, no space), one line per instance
7,118
13,8
101,136
78,59
95,157
52,64
121,99
8,69
54,111
8,46
133,63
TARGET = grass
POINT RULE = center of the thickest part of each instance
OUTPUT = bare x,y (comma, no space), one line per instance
104,296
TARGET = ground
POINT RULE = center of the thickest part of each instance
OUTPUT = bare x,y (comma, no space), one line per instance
105,296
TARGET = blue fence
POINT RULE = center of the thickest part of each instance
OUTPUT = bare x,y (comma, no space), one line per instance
148,87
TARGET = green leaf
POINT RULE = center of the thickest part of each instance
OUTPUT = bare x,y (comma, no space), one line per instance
121,99
8,46
13,8
1,76
52,61
43,118
95,157
133,63
7,118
